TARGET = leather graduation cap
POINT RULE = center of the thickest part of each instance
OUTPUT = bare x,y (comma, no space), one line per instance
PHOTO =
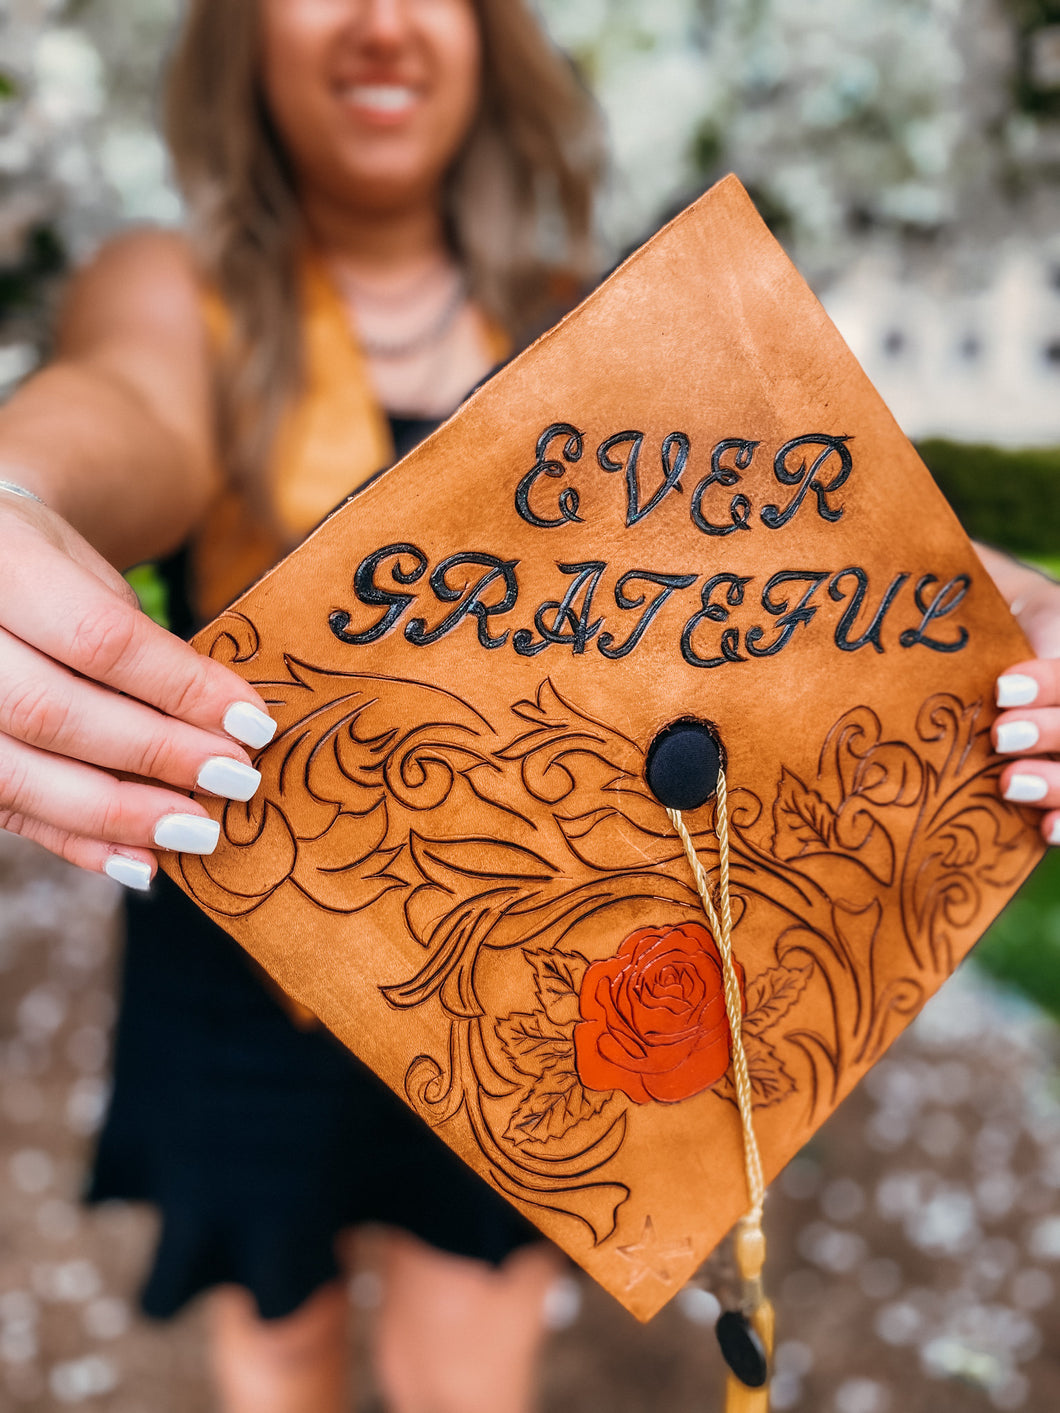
681,528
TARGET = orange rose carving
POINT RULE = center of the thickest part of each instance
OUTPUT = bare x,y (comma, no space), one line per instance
653,1016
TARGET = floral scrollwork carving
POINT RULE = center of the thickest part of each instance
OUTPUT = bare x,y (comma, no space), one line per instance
519,845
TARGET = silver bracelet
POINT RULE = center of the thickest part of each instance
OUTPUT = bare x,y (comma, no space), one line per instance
16,490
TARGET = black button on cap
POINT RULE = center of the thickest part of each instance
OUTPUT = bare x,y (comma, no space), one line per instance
742,1349
682,768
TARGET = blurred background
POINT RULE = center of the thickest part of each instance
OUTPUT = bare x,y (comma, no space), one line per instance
907,153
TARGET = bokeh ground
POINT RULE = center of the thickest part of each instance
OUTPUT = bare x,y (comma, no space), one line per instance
914,1247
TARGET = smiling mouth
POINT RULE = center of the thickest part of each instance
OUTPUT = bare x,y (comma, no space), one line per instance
389,100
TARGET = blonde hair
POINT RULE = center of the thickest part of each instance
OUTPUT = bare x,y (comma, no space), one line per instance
534,153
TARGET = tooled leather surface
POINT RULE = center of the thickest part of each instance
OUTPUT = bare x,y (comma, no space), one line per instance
685,502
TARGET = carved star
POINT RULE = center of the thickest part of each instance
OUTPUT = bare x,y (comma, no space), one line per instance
651,1256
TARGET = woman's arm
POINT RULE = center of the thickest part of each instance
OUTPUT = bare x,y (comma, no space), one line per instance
116,434
116,439
1029,728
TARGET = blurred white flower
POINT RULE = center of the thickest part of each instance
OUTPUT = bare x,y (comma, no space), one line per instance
136,165
651,101
68,76
917,203
576,26
16,153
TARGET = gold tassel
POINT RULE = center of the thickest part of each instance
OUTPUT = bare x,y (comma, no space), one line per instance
750,1248
750,1240
738,1397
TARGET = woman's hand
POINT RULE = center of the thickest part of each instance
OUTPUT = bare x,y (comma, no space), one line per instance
1029,726
91,692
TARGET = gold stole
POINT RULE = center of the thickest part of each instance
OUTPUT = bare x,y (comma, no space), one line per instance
333,437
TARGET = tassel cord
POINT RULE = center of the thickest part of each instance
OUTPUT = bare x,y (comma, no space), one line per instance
722,929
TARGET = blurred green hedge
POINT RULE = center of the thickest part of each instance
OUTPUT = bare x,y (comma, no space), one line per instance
150,589
1022,948
1006,498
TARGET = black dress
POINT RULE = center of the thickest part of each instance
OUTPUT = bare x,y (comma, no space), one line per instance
260,1141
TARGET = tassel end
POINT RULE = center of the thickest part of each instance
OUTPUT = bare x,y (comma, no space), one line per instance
738,1397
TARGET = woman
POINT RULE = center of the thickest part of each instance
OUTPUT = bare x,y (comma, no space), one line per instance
366,181
362,177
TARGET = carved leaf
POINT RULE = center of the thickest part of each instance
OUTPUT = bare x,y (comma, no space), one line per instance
770,1081
962,843
566,750
533,1043
558,978
890,774
862,834
802,821
552,713
578,826
771,995
553,1104
611,841
488,859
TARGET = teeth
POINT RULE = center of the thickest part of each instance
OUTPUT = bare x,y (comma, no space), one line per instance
387,97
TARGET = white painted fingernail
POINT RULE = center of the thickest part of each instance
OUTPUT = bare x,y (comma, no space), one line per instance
1016,689
1026,789
249,725
187,833
1015,736
230,779
130,873
1054,832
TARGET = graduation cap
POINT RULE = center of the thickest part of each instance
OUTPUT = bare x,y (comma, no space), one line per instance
680,531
